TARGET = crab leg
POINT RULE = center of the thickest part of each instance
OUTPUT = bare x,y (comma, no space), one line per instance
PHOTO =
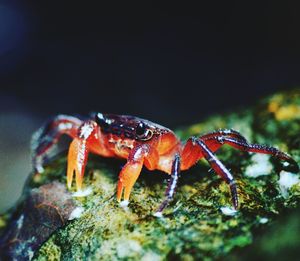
47,136
211,139
245,146
78,153
127,179
224,133
77,159
170,191
196,148
132,169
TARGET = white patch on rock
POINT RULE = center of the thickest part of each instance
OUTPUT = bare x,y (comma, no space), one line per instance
30,253
260,166
39,168
286,181
76,213
151,256
128,248
228,211
158,214
263,220
83,193
124,203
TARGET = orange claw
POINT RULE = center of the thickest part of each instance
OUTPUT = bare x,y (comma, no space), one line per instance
77,159
127,178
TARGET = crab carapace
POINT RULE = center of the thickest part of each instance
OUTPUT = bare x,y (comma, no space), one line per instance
141,143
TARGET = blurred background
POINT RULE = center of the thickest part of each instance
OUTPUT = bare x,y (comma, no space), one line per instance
173,64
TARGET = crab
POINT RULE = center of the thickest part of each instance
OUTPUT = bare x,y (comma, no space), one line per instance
142,143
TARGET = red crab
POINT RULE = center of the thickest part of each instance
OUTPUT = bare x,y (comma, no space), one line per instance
141,142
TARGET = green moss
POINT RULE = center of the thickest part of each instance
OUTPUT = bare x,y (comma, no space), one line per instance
3,222
193,226
50,253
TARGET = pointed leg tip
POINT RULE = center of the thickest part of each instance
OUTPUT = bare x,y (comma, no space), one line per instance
236,207
158,214
79,182
119,194
79,188
69,179
235,204
69,182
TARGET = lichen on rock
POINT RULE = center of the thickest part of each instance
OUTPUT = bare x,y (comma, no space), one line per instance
198,224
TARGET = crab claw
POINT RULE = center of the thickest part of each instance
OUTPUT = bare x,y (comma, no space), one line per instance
127,178
77,159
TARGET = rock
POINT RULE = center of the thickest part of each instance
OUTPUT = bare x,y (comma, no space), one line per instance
46,209
199,223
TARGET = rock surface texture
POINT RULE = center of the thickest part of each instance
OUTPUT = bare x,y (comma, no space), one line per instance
200,223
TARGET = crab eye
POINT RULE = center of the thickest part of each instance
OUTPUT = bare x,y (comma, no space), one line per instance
142,132
140,129
102,121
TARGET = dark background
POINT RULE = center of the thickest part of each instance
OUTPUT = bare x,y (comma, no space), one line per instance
171,63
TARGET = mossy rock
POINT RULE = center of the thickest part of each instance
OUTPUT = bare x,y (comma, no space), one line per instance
193,226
